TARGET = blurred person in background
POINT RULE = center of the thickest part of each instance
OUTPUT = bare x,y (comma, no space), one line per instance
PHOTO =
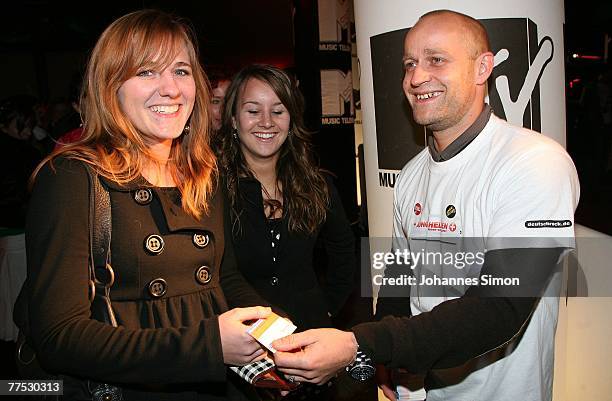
219,84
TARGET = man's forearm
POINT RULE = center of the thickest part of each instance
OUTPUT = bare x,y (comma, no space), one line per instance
458,330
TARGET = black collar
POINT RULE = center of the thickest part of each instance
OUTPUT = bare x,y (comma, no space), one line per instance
463,140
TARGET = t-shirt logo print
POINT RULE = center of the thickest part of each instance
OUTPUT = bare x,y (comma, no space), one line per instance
450,211
417,208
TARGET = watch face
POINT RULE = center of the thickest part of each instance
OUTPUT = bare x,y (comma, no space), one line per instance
362,372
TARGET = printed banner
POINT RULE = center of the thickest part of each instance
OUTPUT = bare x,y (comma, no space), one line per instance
336,38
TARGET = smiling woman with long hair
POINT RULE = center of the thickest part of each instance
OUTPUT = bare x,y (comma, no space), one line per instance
146,133
281,205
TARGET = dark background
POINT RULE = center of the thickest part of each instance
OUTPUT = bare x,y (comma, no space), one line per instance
43,43
586,23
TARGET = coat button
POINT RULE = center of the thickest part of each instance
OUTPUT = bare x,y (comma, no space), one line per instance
143,196
274,280
154,244
203,275
200,240
158,287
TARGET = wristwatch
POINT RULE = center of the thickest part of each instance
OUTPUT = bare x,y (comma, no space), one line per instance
363,368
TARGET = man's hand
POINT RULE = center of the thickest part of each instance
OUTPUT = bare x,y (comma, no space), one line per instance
239,348
315,356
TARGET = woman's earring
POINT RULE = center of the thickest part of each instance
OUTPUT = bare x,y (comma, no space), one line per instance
186,129
235,133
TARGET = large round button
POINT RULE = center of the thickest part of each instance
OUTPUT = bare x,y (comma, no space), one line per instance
203,275
143,196
158,287
274,280
200,240
154,244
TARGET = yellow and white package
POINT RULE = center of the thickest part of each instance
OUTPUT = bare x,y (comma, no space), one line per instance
267,330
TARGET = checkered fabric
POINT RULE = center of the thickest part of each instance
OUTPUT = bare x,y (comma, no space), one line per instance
253,371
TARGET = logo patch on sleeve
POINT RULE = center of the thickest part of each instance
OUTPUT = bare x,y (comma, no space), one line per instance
548,223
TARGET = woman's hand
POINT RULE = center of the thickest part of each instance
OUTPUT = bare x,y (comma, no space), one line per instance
239,348
384,381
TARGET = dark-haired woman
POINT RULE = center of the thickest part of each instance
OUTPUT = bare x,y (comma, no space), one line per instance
280,202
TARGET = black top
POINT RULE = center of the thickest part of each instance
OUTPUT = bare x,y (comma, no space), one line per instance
168,336
284,274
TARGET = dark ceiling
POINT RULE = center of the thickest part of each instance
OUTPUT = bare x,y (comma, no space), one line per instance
231,32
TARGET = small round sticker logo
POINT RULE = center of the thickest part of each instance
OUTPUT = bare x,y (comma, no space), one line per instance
452,227
451,211
417,209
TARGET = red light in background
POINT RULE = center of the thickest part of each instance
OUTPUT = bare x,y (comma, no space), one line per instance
573,82
586,56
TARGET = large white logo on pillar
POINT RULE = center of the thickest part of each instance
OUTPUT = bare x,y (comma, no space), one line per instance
515,109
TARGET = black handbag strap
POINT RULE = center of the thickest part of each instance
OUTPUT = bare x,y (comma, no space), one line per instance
99,286
101,273
100,216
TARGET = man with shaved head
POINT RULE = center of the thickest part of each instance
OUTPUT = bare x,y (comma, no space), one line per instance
504,193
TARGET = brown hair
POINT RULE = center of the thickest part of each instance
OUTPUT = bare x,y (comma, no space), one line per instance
305,192
110,142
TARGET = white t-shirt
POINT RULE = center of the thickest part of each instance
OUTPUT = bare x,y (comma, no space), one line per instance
509,188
